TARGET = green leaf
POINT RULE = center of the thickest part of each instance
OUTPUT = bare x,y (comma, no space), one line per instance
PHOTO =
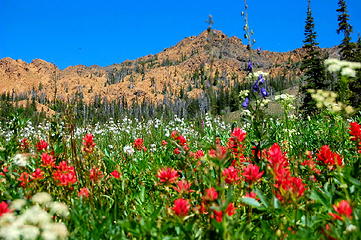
251,201
276,202
319,198
354,181
262,198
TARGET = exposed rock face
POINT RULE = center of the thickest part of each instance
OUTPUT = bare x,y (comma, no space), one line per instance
149,77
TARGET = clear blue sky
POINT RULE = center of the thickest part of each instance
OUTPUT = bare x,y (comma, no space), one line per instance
104,32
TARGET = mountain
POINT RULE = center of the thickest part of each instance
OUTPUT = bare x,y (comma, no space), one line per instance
184,69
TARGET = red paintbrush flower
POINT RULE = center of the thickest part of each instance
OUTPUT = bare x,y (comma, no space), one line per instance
230,210
88,142
231,175
4,208
251,173
47,160
167,175
210,194
41,145
115,174
343,208
83,192
329,158
181,207
183,186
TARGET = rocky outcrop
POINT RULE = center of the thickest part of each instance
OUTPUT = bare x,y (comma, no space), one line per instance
175,69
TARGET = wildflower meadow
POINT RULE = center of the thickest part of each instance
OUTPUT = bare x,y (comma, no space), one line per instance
280,166
287,178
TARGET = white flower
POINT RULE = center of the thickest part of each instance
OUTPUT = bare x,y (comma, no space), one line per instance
10,233
17,204
129,150
348,72
48,235
29,232
59,209
332,61
351,228
354,65
41,198
243,93
20,160
7,218
35,215
255,75
58,229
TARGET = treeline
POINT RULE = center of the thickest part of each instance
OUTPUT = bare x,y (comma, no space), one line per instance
316,75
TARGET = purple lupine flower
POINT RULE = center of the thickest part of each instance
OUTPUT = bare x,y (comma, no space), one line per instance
249,66
264,92
260,79
245,102
255,86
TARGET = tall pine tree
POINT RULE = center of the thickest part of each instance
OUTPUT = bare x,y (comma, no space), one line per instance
312,64
346,29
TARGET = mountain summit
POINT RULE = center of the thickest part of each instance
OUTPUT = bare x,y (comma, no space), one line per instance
181,69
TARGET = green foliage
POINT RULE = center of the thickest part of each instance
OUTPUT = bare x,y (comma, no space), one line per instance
312,64
344,27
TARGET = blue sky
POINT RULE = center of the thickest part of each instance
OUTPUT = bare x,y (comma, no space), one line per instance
105,32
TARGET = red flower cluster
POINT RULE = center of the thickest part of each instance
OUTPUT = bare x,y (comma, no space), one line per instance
252,174
355,132
183,186
24,179
38,174
167,175
343,208
24,144
95,174
115,174
88,143
219,153
211,194
139,144
276,158
176,151
196,155
4,208
42,145
287,187
181,140
65,175
235,145
181,207
47,160
83,192
218,214
231,175
311,163
329,158
4,171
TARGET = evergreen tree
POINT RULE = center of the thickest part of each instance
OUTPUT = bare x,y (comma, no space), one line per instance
345,28
355,83
312,64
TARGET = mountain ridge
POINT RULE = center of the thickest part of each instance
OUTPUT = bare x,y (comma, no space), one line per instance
182,67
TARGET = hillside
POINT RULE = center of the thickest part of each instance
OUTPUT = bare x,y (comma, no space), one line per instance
182,69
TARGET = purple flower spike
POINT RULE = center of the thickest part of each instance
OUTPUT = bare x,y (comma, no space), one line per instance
255,86
249,66
245,102
260,79
264,92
